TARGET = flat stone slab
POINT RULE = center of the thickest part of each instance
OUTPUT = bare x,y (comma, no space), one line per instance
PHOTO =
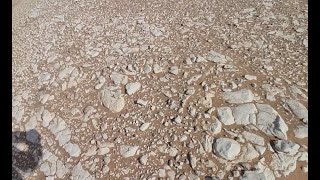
226,148
225,115
237,97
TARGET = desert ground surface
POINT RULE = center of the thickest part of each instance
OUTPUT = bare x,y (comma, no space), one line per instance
160,89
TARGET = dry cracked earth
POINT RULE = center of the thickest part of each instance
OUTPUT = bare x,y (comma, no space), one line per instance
167,89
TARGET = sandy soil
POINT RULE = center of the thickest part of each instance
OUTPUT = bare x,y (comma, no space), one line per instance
75,63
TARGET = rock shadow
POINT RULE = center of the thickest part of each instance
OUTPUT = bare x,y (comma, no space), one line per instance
26,152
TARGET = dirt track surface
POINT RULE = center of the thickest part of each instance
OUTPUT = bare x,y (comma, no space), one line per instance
160,89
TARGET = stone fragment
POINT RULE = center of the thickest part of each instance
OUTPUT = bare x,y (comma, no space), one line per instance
225,115
177,119
174,70
192,161
215,127
244,114
283,164
118,78
143,159
297,108
162,173
226,148
270,122
131,88
113,100
285,146
253,138
216,57
142,102
157,69
260,149
250,153
257,175
301,131
172,151
128,151
207,143
240,96
78,173
72,149
46,116
250,77
144,126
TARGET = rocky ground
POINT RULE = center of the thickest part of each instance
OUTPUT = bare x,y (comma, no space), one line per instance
160,89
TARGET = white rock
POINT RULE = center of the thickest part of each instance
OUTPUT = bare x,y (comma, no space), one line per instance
225,115
177,119
48,169
66,71
92,151
297,108
257,175
301,131
147,68
142,102
215,127
58,127
188,61
119,78
303,156
17,113
157,69
260,149
194,78
192,161
305,169
253,138
162,173
72,149
78,173
283,164
183,138
200,59
271,91
172,151
47,117
295,91
250,153
268,68
190,90
207,143
241,96
286,146
144,126
113,100
44,98
143,159
105,169
171,174
192,176
128,151
61,170
270,122
174,70
250,77
216,57
182,177
244,114
226,148
131,88
44,77
103,150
